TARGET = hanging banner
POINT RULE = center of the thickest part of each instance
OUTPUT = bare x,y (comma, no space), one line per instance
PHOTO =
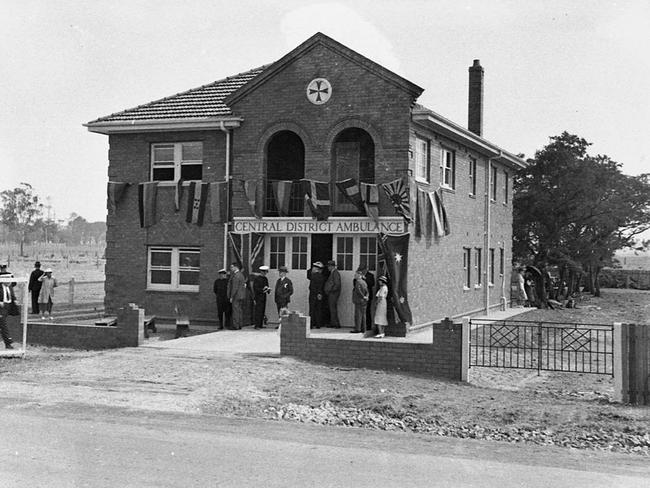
335,225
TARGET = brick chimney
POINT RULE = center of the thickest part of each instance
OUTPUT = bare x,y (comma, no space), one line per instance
475,99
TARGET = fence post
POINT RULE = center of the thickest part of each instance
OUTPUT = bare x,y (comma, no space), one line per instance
71,291
621,364
465,350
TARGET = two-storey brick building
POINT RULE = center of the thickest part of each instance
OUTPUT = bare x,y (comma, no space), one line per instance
321,114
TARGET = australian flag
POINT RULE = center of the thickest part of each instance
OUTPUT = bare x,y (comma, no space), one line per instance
394,251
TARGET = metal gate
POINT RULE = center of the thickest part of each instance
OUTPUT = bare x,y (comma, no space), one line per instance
544,346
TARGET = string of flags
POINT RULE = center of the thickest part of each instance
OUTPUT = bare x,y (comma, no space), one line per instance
426,211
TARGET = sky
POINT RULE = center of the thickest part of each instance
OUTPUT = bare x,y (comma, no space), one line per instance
550,66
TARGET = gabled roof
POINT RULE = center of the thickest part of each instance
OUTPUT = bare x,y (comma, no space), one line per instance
320,39
203,103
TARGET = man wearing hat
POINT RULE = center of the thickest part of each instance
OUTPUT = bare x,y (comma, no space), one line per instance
283,289
360,299
5,300
316,294
237,294
260,290
220,289
333,291
34,286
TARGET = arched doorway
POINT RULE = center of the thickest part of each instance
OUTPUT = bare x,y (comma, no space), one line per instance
353,156
285,161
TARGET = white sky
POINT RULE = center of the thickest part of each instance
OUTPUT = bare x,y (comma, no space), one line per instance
549,66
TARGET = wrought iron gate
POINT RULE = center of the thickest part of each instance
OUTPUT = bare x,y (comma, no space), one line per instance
544,346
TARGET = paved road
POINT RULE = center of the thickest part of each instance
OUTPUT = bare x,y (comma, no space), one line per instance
78,446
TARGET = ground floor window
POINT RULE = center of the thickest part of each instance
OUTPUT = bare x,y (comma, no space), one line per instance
477,266
299,252
277,254
368,252
467,272
173,268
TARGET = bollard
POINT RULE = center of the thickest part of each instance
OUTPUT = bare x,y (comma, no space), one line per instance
71,291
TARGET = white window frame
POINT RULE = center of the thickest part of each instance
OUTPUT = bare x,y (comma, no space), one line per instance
472,176
178,161
493,183
448,168
369,254
345,253
298,252
506,195
175,268
491,269
467,269
478,261
421,163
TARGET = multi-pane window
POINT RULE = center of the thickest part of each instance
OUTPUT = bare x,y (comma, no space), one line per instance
493,183
277,251
467,263
491,267
505,187
421,159
472,176
448,168
502,261
174,161
477,265
344,254
299,252
173,268
368,252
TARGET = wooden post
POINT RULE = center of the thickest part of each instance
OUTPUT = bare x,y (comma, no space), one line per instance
465,350
71,291
621,366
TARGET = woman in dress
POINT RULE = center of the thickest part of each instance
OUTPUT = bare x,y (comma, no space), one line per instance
46,293
381,296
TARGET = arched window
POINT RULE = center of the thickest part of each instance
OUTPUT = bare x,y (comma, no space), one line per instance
353,156
285,160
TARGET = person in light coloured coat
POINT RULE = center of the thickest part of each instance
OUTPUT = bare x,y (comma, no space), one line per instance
381,309
46,294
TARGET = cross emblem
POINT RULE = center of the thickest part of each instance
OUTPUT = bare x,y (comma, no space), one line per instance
319,91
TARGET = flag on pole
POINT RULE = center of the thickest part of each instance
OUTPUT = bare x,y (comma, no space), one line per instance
282,193
398,193
197,194
350,190
423,219
437,218
394,250
250,190
370,195
236,248
115,191
317,195
257,251
178,194
219,202
147,195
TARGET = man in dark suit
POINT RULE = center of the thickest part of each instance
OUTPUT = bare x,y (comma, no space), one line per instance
220,289
260,290
6,297
237,294
370,282
283,289
35,285
316,294
333,292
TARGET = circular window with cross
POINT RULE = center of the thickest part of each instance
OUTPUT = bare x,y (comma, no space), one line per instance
319,91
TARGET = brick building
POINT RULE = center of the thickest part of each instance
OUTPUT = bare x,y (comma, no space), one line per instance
321,113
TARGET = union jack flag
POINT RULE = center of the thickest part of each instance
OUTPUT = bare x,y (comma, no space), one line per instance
398,193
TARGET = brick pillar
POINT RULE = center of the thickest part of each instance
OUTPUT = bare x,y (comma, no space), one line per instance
130,322
632,363
294,332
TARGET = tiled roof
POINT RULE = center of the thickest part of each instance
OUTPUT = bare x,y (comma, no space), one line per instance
201,102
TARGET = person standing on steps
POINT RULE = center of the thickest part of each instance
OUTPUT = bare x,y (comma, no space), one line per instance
360,299
260,290
220,289
316,294
237,294
332,290
34,286
283,289
45,302
380,319
5,300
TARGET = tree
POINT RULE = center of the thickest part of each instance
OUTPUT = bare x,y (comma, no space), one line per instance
20,210
575,210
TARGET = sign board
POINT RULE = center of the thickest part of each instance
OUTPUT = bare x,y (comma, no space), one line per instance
334,225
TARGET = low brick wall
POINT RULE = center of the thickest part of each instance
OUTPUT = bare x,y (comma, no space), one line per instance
129,332
443,358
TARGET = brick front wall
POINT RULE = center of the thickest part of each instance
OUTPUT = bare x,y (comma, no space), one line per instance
441,359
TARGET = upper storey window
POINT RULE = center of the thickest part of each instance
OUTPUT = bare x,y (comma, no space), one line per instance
421,159
177,161
448,168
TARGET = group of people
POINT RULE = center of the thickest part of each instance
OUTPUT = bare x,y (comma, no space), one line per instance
233,293
325,291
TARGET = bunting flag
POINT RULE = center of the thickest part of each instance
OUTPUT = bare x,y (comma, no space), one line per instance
147,195
219,202
423,219
250,190
178,194
437,218
236,248
115,191
350,190
398,193
317,196
394,251
256,258
282,193
197,194
370,195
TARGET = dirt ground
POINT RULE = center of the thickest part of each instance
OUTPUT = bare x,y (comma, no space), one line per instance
571,410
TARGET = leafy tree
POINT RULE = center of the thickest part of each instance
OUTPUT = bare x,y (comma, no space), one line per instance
20,210
575,210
